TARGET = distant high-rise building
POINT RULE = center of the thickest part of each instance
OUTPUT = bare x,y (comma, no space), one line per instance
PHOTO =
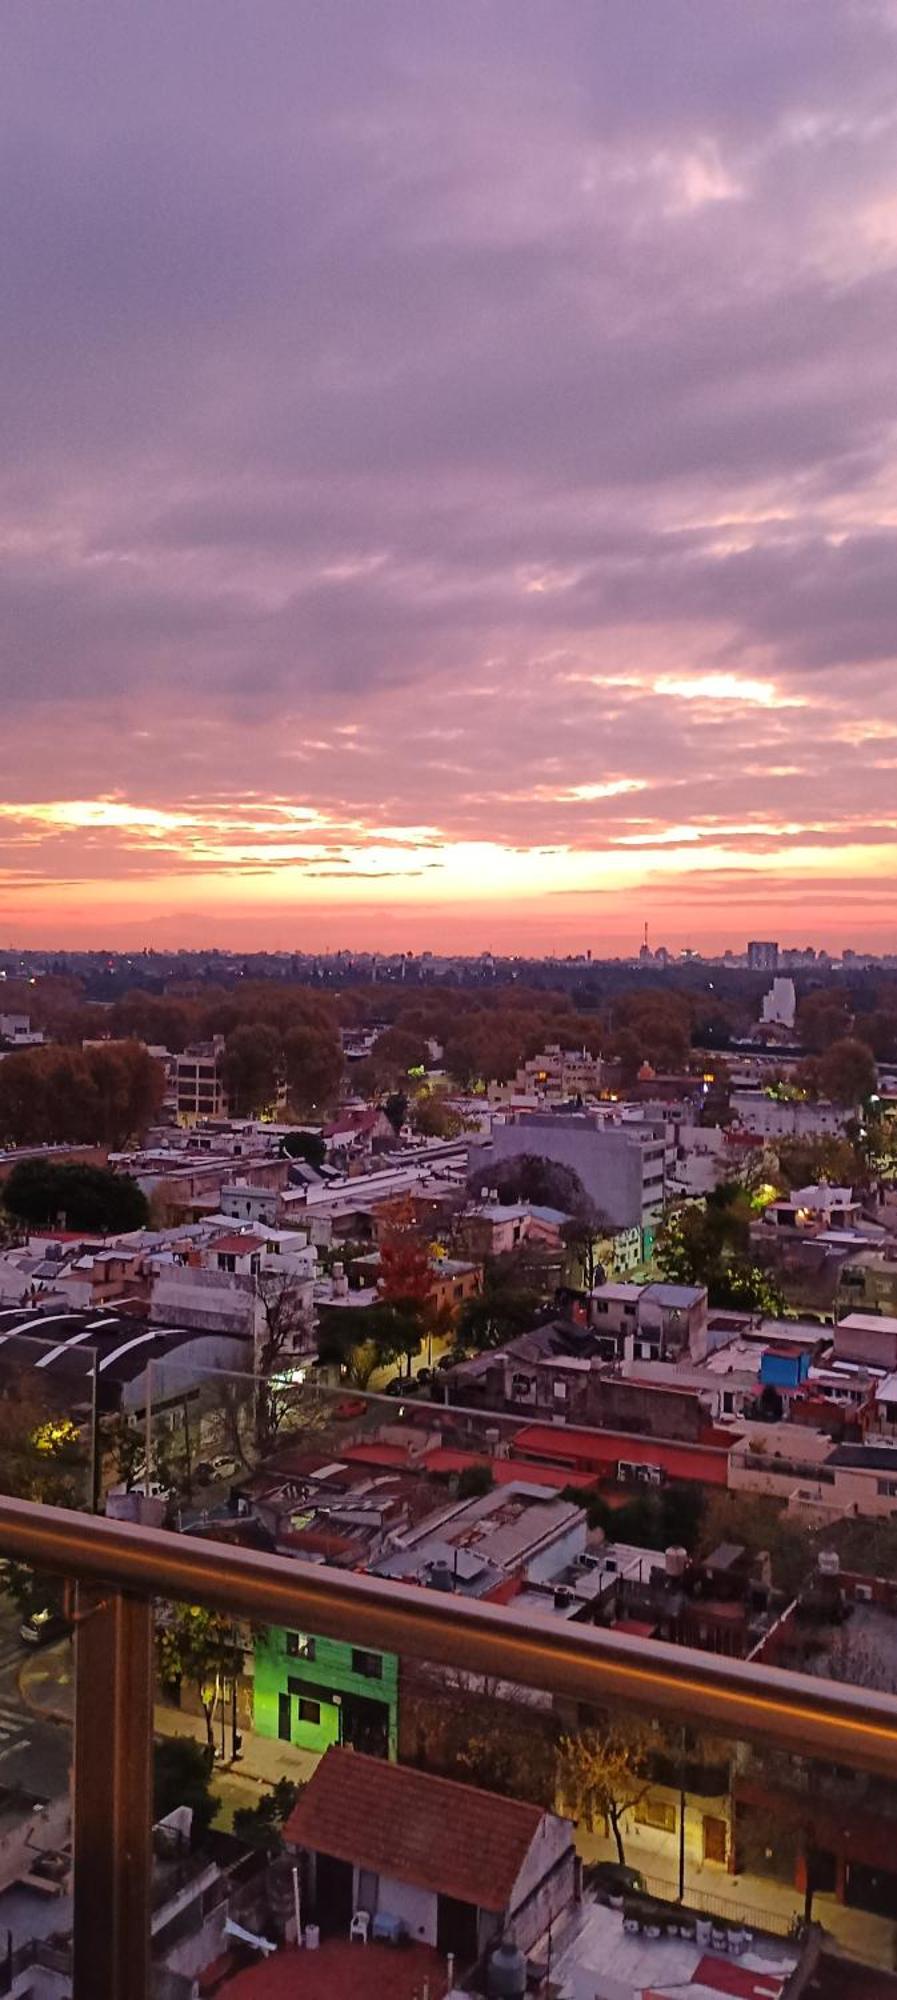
762,956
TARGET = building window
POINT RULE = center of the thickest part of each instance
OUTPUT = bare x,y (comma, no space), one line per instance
369,1665
300,1646
309,1711
656,1813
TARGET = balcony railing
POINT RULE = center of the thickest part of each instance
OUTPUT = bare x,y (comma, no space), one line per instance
119,1570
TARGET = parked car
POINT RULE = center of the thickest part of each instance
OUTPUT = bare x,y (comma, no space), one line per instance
43,1626
396,1386
224,1467
612,1880
424,1375
350,1408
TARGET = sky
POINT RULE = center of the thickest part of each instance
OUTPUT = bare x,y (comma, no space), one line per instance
448,473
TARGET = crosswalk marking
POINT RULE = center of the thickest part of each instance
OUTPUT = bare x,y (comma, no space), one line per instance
13,1729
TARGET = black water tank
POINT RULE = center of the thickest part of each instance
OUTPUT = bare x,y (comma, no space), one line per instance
506,1977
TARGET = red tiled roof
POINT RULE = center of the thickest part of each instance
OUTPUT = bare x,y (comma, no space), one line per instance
451,1839
599,1450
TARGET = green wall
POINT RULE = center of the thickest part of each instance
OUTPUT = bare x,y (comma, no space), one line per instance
328,1674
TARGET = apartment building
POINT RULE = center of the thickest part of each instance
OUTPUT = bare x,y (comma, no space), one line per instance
622,1166
198,1086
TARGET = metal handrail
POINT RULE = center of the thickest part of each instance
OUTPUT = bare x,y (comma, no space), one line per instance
843,1724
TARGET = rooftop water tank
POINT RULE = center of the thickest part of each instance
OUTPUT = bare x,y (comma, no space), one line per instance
441,1575
676,1562
506,1977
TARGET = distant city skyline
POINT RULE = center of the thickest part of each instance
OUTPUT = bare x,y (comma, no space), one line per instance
449,493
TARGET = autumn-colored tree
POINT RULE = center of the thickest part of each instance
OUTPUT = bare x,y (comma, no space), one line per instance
314,1067
251,1068
847,1072
406,1272
603,1774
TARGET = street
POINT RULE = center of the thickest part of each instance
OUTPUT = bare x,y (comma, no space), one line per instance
34,1752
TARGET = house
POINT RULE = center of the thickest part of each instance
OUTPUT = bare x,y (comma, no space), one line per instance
809,1210
755,1109
656,1322
458,1867
317,1693
867,1337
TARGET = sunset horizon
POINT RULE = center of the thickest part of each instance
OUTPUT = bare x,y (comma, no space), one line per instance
449,487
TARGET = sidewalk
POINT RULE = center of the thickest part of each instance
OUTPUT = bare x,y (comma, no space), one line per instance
46,1687
873,1939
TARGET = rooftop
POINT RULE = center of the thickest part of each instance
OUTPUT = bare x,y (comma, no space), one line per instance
449,1838
632,1965
340,1971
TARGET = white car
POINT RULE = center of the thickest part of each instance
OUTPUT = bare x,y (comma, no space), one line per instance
225,1467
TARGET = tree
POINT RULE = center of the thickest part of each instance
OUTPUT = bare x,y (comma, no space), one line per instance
284,1326
308,1146
761,1525
602,1774
40,1192
533,1177
708,1243
396,1054
396,1109
251,1069
847,1072
406,1272
807,1162
314,1065
579,1239
43,1455
200,1647
508,1304
182,1776
69,1096
433,1118
262,1826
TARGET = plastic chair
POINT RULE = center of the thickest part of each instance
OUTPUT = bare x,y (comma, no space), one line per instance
359,1927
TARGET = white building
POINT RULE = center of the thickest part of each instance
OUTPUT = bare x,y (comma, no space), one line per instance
780,1004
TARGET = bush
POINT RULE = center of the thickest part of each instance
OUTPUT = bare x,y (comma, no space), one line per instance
182,1776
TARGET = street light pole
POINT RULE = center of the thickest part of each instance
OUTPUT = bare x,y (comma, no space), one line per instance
681,1897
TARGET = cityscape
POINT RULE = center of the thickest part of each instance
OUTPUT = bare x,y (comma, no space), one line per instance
448,1001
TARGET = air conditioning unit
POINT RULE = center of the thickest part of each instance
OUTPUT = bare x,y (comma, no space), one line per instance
863,1593
626,1469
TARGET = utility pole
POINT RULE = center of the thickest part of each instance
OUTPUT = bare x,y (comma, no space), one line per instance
95,1456
681,1897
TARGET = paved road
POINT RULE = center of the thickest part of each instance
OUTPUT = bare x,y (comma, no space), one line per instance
34,1752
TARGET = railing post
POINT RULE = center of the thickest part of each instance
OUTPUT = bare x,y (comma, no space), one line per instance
112,1794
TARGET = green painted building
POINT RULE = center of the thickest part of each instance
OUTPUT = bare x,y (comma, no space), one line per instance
313,1692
